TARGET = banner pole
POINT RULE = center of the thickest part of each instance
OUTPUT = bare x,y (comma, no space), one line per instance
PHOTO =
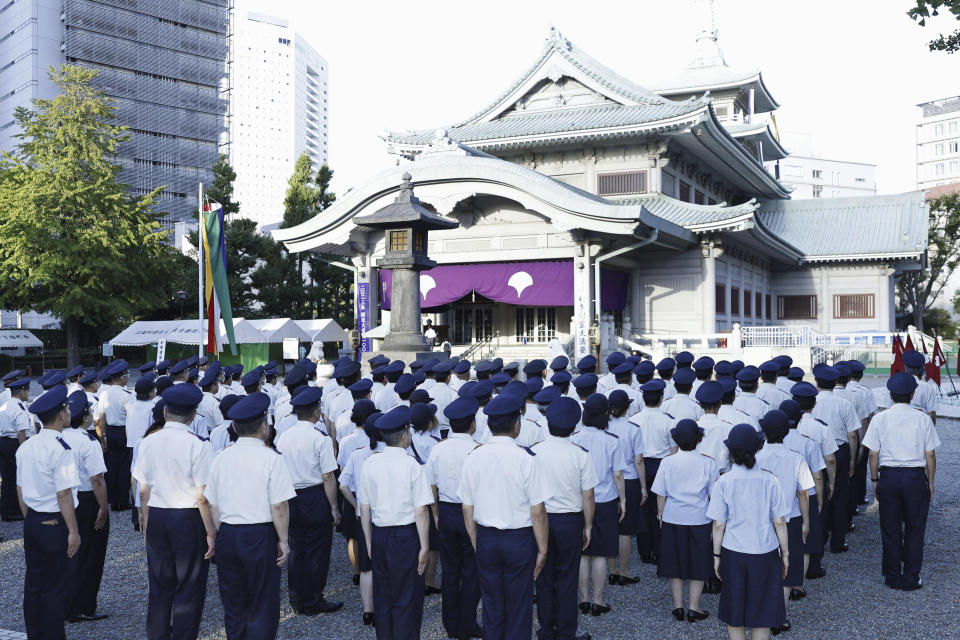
200,234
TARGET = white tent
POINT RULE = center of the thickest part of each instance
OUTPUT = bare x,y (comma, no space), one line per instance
323,330
145,332
19,339
379,332
276,329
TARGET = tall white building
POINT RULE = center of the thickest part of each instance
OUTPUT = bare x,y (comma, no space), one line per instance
813,177
938,143
279,110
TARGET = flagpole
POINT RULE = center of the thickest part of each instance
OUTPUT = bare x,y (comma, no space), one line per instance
200,234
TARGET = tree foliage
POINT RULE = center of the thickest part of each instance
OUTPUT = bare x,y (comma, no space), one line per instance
920,289
925,9
73,241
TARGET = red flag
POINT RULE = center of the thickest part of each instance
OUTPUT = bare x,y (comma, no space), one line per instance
909,346
897,364
937,360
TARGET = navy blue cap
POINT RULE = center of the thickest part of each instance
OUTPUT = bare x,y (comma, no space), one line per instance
615,358
270,372
444,366
564,413
842,369
405,383
466,389
622,368
803,390
723,368
500,378
203,361
163,365
464,407
559,363
533,385
149,366
363,385
396,366
914,359
90,377
792,409
484,365
12,375
728,384
515,387
595,404
512,367
587,364
736,365
619,399
144,385
684,358
251,379
258,369
192,361
769,367
299,390
497,363
743,437
378,360
561,377
77,401
422,414
533,368
547,395
370,424
56,377
295,375
585,380
462,367
193,374
77,370
483,388
311,367
654,385
748,374
363,408
666,364
785,362
52,400
796,373
775,423
420,396
856,365
250,407
634,358
16,384
228,401
162,383
710,392
685,375
687,430
828,374
149,376
702,363
505,405
379,371
308,397
352,368
644,368
180,366
416,365
902,383
393,420
182,398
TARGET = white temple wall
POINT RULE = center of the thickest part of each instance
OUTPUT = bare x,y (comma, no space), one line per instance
667,296
839,289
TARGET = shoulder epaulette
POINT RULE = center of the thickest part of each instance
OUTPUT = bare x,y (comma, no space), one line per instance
528,450
479,444
63,442
611,434
763,401
324,432
127,391
21,406
274,449
92,437
668,415
202,439
577,445
821,422
706,456
436,438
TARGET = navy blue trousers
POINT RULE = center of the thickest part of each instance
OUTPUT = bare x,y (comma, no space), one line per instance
90,557
50,575
837,511
249,580
9,505
176,542
649,541
397,588
505,560
557,583
311,535
119,457
858,486
904,500
459,581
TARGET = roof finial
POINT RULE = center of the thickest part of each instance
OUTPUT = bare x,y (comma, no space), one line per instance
406,188
708,50
555,37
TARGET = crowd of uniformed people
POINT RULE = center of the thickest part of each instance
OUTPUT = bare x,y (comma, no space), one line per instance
527,493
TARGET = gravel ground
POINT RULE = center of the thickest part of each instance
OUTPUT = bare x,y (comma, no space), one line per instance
850,602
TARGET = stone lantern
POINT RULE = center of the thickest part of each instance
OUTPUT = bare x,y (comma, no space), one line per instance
405,225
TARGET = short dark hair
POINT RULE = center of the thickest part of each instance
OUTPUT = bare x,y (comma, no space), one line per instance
392,376
253,388
586,392
768,376
748,387
652,398
825,384
856,375
901,397
728,398
598,421
248,427
461,425
806,402
559,433
406,394
393,438
619,412
293,387
685,389
644,378
775,438
704,374
77,420
745,458
304,413
360,395
710,406
623,378
441,376
690,446
500,425
143,397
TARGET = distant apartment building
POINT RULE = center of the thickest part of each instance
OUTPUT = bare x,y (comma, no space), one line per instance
813,177
163,62
938,143
279,86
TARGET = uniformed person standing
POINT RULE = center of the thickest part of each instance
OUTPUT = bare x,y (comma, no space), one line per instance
47,482
15,424
93,517
503,494
113,420
682,406
172,468
248,488
459,583
630,442
393,496
308,454
568,470
748,401
925,397
903,463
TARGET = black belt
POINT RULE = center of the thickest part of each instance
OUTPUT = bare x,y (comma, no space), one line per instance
903,468
452,504
116,426
11,438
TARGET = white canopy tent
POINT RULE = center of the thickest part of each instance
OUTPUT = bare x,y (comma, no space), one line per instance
276,329
147,332
323,330
379,332
19,339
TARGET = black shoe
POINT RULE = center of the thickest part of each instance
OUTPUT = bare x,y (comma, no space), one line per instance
136,526
911,586
679,614
625,580
893,583
813,574
88,617
693,616
782,628
356,579
613,579
368,618
585,636
599,609
325,606
863,502
430,591
852,527
478,633
122,507
649,558
584,608
843,548
797,594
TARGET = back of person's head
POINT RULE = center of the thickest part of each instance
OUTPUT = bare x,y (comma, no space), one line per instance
652,398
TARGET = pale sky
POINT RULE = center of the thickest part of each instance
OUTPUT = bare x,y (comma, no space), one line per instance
848,73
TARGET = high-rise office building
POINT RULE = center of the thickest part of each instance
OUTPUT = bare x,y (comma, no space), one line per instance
938,143
164,63
279,110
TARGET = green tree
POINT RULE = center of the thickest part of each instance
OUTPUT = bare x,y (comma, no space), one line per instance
925,9
920,289
331,287
222,188
73,240
939,321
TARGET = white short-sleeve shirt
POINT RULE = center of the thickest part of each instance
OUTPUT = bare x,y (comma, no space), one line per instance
245,479
394,485
88,454
446,463
902,436
307,453
748,500
568,470
685,479
45,465
174,462
791,470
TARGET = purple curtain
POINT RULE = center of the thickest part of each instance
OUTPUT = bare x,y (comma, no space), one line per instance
534,284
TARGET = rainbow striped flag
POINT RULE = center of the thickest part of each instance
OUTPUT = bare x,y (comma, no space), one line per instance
216,291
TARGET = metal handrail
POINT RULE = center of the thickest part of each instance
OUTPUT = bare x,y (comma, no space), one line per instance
478,346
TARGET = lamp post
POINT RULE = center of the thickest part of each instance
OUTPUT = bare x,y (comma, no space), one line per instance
182,295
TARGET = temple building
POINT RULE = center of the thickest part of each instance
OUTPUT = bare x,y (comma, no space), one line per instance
584,197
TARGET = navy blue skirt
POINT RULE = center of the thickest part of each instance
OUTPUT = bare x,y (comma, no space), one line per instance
752,594
349,522
605,537
814,544
632,523
795,546
686,551
364,561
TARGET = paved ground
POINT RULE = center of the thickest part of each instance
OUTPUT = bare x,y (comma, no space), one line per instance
851,602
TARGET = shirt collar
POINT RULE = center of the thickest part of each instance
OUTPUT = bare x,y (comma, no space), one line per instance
503,439
177,425
305,423
460,436
823,391
250,441
552,438
395,451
